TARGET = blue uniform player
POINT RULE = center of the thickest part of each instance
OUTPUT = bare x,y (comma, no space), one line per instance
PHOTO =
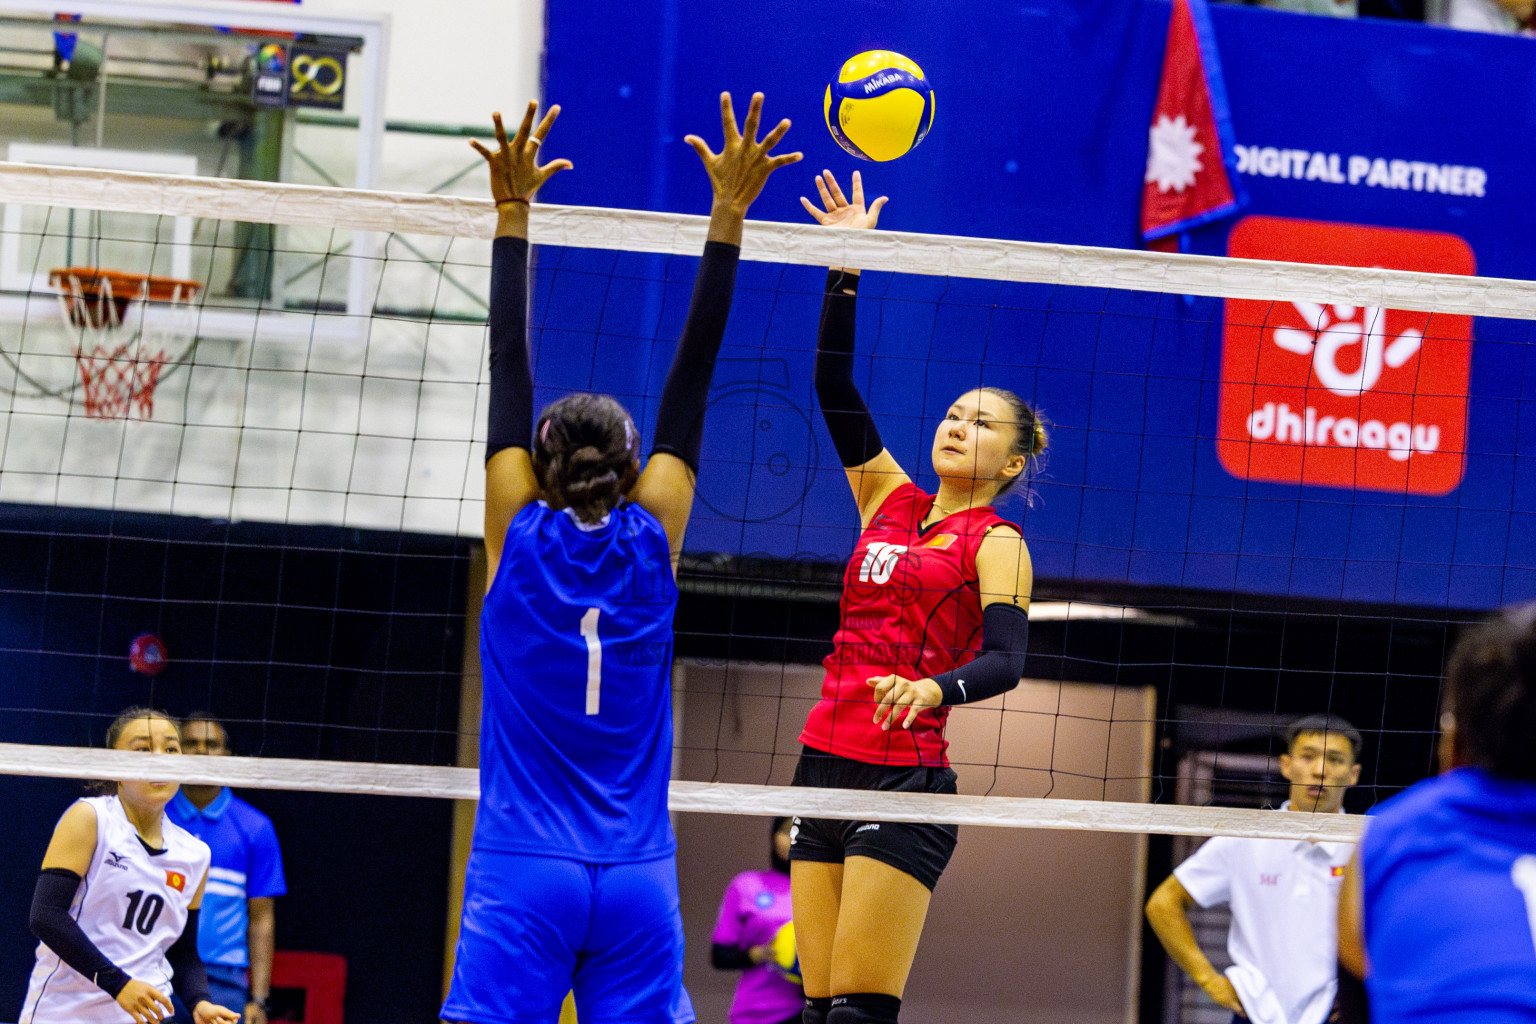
1446,873
572,878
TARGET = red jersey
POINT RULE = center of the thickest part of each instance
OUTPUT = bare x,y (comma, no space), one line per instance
910,606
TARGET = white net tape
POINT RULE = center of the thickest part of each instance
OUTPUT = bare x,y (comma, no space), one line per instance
804,244
716,798
904,252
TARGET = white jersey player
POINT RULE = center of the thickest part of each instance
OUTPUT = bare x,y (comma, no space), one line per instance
116,904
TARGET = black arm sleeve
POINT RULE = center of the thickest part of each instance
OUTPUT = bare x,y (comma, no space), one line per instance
188,975
729,958
848,419
685,396
1004,639
511,406
51,923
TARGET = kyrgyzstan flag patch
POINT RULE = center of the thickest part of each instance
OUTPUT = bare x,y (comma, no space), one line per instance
176,880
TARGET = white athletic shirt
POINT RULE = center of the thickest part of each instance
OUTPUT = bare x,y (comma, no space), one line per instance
1285,902
132,906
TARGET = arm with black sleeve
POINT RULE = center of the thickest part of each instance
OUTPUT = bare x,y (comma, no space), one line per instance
51,922
842,406
685,396
188,975
510,420
997,669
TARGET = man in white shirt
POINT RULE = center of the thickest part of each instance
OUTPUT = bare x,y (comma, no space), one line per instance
1284,893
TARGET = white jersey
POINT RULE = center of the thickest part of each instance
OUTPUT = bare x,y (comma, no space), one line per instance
132,905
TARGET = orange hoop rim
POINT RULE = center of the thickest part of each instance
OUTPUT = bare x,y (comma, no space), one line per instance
124,284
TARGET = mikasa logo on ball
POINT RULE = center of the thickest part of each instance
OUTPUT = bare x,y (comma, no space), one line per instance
1338,395
880,82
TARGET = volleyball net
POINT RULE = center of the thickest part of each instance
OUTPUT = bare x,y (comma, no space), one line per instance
1276,486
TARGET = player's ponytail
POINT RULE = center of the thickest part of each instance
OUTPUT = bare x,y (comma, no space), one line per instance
1029,437
585,453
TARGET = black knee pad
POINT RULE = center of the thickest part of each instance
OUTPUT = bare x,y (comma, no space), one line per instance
816,1010
864,1008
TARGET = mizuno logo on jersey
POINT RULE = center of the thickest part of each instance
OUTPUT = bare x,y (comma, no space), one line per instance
873,826
880,561
115,860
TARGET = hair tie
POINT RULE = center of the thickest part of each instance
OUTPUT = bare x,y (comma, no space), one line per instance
544,434
629,435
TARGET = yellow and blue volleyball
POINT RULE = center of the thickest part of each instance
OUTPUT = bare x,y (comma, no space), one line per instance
880,107
786,957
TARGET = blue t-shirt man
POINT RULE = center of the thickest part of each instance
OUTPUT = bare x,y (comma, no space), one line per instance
245,876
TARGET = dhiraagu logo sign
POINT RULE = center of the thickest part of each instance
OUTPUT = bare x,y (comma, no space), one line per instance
1345,396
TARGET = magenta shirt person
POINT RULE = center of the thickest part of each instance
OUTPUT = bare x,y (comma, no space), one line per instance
755,906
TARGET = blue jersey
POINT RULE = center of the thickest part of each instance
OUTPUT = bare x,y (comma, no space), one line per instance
576,722
247,865
1449,873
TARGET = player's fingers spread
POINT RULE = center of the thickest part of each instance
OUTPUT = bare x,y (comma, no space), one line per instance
772,138
810,208
526,127
826,195
837,192
754,116
728,117
547,123
875,207
858,189
785,160
478,148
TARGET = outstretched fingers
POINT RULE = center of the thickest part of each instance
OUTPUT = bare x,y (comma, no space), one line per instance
526,128
754,117
773,137
810,208
728,118
837,192
542,131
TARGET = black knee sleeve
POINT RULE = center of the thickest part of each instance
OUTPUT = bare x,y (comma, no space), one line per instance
816,1010
864,1008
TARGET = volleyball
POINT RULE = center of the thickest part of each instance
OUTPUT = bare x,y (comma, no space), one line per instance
785,955
880,106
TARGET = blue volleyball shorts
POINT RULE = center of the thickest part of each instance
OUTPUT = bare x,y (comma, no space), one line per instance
536,928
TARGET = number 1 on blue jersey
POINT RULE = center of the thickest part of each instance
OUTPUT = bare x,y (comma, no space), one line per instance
594,659
1523,874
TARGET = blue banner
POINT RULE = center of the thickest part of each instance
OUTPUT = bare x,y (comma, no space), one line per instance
1326,466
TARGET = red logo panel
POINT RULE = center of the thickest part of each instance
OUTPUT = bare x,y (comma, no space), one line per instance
1345,396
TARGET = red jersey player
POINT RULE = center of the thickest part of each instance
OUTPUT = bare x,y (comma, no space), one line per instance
933,614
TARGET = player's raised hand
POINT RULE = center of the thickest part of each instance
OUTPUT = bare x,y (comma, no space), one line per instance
741,168
839,212
515,169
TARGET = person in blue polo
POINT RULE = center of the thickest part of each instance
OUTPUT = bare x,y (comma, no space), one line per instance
237,932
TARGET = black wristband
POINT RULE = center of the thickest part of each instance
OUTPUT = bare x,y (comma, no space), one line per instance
1004,641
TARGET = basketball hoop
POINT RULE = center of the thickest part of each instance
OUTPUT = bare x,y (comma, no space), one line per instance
118,352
